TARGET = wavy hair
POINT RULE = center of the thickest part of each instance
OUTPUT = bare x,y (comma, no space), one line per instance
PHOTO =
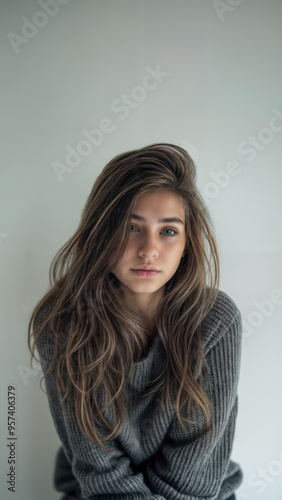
96,338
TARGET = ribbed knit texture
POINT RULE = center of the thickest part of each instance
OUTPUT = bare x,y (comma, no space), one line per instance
153,457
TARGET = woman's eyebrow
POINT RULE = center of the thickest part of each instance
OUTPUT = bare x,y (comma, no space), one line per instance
165,220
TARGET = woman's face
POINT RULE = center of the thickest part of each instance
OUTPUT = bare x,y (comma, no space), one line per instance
153,243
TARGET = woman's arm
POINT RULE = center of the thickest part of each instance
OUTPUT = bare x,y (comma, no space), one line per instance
190,466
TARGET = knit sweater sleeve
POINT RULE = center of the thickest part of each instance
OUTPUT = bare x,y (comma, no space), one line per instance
193,465
100,474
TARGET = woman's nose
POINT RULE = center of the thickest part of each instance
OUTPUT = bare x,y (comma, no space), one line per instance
148,246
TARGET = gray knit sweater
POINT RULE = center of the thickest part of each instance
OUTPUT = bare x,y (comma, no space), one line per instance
153,457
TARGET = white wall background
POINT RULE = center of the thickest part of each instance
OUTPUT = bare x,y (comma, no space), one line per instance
64,72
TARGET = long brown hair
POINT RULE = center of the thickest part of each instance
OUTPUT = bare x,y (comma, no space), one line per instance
96,338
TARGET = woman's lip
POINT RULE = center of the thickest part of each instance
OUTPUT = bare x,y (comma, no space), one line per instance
143,272
149,268
146,268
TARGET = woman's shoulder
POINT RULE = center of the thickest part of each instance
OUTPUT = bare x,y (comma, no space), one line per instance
41,314
44,340
224,316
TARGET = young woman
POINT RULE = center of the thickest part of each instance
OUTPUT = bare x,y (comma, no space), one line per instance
139,348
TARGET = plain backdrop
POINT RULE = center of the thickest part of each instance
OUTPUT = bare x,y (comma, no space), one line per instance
205,75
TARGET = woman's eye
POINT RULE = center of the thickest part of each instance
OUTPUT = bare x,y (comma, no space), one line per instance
173,231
